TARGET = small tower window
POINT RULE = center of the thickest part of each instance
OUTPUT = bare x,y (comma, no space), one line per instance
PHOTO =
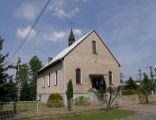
94,47
78,76
110,77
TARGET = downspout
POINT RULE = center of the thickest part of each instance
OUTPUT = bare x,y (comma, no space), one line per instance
63,76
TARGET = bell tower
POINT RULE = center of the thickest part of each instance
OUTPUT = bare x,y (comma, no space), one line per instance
71,38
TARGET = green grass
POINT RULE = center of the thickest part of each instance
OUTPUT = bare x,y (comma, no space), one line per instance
98,115
28,109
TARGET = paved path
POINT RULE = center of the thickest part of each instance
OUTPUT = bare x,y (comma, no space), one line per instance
148,112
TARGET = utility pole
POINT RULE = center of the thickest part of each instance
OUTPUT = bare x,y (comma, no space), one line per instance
121,77
140,78
18,84
151,73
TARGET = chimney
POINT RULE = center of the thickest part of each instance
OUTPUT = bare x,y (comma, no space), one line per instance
50,59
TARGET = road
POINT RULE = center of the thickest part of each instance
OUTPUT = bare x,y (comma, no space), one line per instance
148,111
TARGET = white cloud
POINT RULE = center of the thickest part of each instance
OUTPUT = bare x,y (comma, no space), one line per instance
62,13
27,11
77,32
58,9
55,36
22,32
81,0
58,36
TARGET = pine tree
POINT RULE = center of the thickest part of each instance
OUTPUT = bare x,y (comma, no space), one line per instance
3,68
7,87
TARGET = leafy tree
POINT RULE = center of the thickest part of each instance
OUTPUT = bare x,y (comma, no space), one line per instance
23,73
25,92
24,78
69,93
34,66
107,95
146,87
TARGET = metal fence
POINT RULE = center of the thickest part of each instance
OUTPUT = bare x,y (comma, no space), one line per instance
31,109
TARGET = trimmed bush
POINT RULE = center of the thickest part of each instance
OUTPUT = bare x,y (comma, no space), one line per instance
55,100
129,92
81,101
69,94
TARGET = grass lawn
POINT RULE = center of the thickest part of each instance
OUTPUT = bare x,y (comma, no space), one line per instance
98,115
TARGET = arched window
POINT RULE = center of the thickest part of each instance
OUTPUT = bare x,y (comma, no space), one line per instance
110,77
78,76
94,47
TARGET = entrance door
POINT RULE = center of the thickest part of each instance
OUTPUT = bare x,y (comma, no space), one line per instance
98,82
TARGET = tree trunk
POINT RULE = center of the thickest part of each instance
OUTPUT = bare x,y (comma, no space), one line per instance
69,105
108,106
146,98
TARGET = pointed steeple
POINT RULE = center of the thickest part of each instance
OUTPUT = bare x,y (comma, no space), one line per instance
71,38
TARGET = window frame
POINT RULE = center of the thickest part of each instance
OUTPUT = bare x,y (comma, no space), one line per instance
94,47
110,77
43,82
56,77
49,80
78,76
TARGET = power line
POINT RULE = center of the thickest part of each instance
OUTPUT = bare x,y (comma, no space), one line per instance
33,25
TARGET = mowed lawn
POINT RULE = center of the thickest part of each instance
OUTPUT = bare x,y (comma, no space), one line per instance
115,114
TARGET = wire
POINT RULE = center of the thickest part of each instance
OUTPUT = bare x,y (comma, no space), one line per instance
33,25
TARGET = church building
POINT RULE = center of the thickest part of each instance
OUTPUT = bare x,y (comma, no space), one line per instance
88,62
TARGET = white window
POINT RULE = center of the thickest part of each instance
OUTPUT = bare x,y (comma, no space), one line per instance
49,80
55,79
43,82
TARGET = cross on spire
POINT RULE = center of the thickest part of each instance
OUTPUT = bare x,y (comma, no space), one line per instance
71,23
71,38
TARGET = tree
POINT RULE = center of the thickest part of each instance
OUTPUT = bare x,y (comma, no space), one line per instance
24,78
34,66
69,93
131,88
25,92
146,87
3,67
7,87
107,95
131,84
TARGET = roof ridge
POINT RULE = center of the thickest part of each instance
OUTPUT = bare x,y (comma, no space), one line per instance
66,50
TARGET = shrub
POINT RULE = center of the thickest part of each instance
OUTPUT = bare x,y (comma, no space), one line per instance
55,100
80,101
129,92
69,94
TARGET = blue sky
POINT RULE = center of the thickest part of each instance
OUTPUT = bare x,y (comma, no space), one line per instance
128,27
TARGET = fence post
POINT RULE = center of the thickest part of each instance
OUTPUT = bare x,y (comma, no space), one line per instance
37,108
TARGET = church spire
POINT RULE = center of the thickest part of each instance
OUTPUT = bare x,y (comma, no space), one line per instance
71,38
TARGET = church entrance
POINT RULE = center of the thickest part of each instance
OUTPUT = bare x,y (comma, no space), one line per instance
97,82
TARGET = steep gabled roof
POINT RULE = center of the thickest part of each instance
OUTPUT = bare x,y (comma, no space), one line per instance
67,50
63,53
